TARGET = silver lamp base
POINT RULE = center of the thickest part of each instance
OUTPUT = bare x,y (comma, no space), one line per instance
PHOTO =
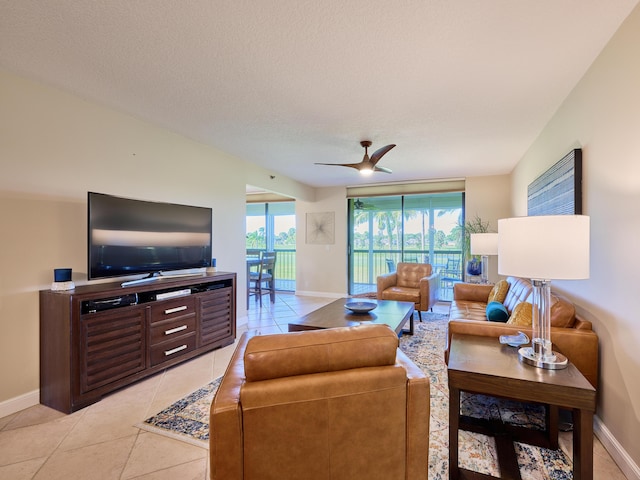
528,356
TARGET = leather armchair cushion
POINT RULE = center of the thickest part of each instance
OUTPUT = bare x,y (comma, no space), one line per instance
300,353
409,274
401,294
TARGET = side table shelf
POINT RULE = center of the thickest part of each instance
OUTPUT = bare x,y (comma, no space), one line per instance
101,337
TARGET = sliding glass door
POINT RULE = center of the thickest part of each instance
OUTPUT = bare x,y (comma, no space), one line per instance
272,227
374,239
385,230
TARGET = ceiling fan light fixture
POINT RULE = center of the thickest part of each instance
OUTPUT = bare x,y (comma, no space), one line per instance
366,169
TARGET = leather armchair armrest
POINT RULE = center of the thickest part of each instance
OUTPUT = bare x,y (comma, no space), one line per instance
473,292
225,419
418,411
428,290
385,281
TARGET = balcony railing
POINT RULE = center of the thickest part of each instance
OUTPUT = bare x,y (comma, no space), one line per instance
368,264
285,269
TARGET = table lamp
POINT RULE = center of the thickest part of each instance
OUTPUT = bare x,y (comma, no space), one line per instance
484,244
542,248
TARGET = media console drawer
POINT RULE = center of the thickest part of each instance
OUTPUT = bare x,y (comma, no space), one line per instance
171,328
175,307
173,348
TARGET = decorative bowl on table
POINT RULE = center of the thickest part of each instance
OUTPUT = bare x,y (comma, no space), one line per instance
360,306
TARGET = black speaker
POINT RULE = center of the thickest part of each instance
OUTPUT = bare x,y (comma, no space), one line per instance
212,268
62,279
61,274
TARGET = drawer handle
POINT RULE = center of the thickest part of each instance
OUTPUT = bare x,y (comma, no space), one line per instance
174,350
175,330
169,311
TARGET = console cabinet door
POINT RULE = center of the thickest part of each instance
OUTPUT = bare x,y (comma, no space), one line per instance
216,316
113,346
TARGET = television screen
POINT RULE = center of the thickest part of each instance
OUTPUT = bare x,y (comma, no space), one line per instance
128,237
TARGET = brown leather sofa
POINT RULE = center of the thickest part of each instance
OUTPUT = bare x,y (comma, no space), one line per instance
411,282
570,334
341,403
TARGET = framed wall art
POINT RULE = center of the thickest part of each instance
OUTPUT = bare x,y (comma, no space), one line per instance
321,228
558,191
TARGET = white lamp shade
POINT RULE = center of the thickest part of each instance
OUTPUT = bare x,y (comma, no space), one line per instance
549,247
484,244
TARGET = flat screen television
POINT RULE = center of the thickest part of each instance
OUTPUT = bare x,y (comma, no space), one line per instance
130,237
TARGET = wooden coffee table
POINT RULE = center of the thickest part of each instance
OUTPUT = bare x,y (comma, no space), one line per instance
482,365
388,312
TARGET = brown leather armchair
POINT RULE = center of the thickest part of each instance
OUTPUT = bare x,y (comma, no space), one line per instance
411,282
340,403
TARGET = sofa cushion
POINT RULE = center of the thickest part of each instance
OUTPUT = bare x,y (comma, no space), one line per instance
520,290
498,292
522,315
468,310
563,312
497,312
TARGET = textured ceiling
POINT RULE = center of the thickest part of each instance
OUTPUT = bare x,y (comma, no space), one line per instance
463,87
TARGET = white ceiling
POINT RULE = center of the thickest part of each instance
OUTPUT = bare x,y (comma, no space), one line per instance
463,87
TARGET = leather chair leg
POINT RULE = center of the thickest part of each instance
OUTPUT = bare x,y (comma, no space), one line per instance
419,315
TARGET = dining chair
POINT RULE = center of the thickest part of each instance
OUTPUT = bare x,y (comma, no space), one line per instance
263,281
450,274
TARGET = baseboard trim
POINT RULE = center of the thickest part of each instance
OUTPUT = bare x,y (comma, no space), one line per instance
14,405
619,455
303,293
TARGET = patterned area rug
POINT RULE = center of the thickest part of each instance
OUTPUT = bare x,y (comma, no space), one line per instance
188,419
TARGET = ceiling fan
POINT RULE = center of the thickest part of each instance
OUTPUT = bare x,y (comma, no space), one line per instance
368,164
360,205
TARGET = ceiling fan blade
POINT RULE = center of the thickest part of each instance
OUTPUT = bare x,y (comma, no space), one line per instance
352,165
378,154
382,169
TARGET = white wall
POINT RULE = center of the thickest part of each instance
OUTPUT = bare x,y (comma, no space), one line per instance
489,198
322,268
602,116
54,148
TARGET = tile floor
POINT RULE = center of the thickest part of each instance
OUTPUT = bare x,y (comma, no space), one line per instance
101,441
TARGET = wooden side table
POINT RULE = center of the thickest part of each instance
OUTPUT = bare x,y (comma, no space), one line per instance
482,365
